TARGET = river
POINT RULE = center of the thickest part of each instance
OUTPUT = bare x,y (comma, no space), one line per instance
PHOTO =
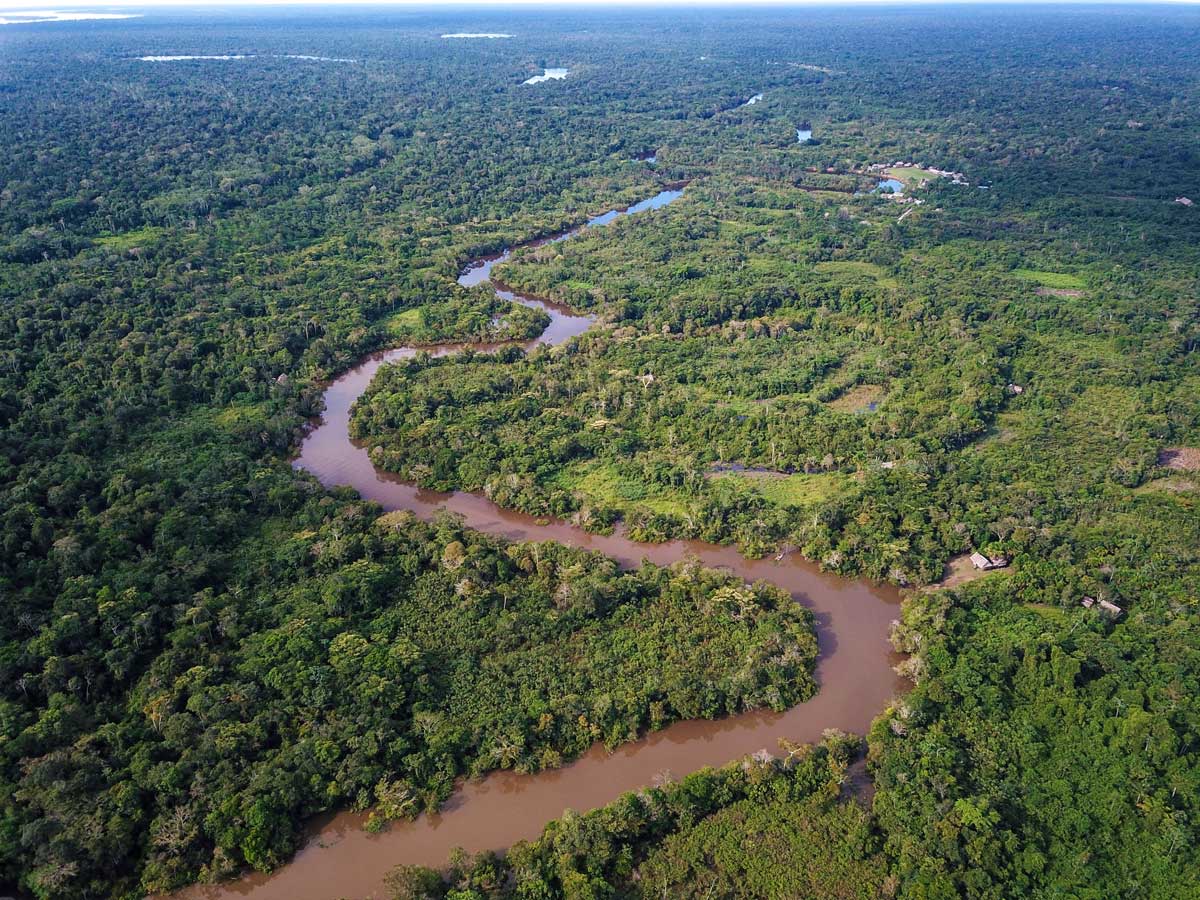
854,669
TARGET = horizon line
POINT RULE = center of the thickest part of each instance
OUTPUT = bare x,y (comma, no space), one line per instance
17,6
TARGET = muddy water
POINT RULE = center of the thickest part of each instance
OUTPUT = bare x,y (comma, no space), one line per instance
854,672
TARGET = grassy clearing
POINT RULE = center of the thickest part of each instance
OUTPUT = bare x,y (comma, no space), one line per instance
1055,614
858,399
1173,484
404,322
239,415
1061,281
788,490
850,267
856,268
800,489
127,240
742,406
912,176
602,483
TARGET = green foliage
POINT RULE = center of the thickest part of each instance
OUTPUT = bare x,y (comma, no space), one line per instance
201,648
378,662
479,317
1042,752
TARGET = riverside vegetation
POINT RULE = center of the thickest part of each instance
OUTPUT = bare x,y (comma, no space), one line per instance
201,648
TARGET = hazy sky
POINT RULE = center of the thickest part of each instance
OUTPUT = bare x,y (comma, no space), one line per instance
108,5
11,5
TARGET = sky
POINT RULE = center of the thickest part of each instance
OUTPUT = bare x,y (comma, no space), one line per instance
10,6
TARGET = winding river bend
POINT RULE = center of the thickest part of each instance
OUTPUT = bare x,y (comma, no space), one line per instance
854,669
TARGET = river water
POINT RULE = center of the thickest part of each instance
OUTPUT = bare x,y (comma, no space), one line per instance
854,669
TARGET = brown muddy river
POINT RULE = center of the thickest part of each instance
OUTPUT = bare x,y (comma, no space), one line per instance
854,669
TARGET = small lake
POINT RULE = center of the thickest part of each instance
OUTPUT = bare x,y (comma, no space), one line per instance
755,99
803,135
547,75
892,186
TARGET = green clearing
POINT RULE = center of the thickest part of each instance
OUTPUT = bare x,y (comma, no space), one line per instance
127,240
1170,484
858,399
405,321
240,415
791,490
911,175
603,484
1062,281
856,268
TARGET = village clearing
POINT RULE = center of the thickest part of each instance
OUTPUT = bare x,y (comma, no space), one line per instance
959,571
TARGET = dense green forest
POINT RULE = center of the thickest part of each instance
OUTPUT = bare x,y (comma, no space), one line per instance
202,648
